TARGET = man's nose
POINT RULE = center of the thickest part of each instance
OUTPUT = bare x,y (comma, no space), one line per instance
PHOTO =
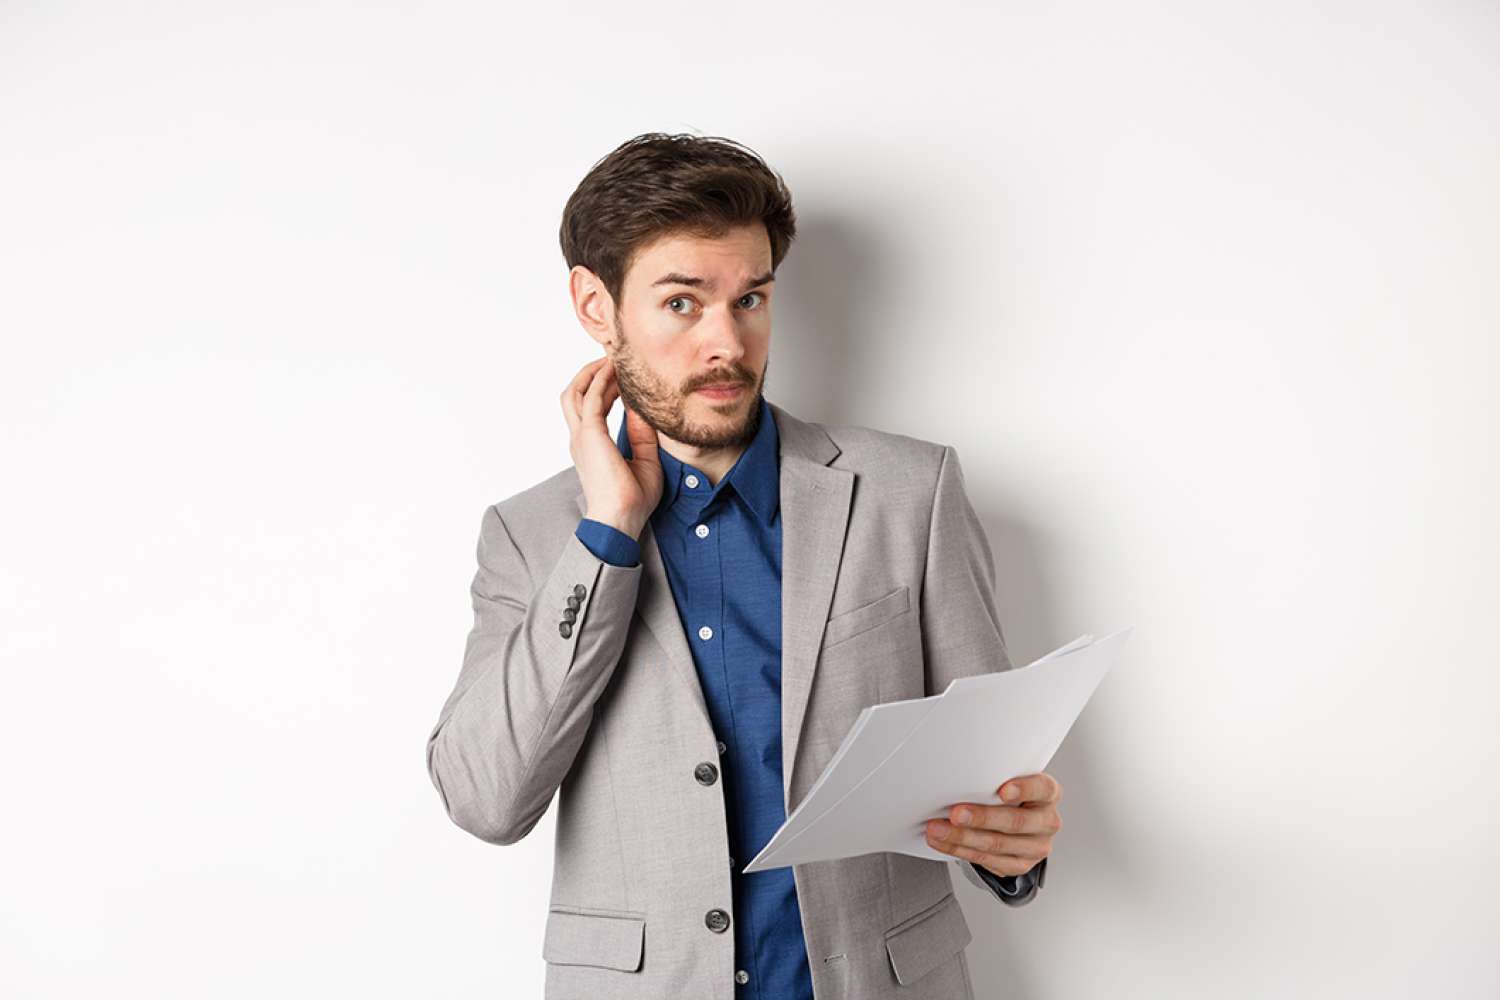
723,337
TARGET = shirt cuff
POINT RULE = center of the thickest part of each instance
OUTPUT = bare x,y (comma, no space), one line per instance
608,542
1017,886
1003,884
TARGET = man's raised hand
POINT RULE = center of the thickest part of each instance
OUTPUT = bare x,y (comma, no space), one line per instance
619,493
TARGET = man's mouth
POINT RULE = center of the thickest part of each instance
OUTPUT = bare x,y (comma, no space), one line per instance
723,390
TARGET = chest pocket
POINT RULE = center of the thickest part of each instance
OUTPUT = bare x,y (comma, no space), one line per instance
848,624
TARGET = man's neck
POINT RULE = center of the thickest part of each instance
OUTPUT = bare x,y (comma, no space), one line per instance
714,462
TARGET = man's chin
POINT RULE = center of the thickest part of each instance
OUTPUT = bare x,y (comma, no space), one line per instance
726,422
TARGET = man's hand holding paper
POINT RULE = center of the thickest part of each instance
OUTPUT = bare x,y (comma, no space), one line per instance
1006,839
905,766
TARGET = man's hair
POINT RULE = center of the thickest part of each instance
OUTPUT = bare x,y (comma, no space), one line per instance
657,185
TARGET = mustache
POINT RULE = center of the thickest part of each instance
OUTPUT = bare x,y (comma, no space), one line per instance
730,380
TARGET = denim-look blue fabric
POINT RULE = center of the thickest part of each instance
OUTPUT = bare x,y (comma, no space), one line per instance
721,546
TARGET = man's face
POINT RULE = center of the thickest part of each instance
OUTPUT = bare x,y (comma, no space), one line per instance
694,312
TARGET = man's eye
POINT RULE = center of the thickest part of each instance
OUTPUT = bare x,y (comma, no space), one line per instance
759,296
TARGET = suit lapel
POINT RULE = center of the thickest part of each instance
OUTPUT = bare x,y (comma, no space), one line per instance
814,518
815,502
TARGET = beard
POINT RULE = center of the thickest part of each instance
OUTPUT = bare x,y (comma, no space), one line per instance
665,409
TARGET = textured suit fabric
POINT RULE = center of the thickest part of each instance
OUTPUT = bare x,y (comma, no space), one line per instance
578,681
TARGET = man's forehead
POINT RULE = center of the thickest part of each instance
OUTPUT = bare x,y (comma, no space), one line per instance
739,254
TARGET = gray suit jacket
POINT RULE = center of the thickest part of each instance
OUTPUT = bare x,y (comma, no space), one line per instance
887,593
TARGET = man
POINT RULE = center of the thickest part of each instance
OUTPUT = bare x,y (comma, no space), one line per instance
675,633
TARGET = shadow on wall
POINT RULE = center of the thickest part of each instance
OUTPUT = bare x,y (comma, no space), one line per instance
829,290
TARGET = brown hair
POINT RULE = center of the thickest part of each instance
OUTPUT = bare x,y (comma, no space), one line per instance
658,184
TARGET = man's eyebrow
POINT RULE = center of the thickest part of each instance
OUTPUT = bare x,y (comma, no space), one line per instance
676,278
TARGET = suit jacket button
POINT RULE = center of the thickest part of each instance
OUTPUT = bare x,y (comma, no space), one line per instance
570,615
565,628
716,920
706,773
574,602
579,590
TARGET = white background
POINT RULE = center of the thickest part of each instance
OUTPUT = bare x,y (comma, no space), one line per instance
1205,295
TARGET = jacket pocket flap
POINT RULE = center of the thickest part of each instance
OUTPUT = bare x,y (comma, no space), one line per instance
927,940
848,624
606,940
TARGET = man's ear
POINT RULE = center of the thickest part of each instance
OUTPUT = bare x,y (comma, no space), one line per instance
592,304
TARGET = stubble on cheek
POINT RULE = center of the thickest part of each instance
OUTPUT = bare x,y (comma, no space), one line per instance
643,391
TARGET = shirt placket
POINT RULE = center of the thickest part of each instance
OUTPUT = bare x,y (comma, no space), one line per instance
705,573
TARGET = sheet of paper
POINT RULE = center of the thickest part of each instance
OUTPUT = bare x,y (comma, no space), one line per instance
888,726
903,763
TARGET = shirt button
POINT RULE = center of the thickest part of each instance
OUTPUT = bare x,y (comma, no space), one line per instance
706,773
721,746
705,633
701,531
716,920
742,977
691,480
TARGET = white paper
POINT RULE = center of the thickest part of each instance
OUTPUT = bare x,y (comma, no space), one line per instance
903,763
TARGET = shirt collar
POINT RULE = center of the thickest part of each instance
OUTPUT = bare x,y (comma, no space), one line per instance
756,474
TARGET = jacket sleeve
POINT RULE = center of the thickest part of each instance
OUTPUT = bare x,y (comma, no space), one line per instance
540,652
961,634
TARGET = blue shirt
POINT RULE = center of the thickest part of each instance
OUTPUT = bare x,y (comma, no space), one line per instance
721,547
